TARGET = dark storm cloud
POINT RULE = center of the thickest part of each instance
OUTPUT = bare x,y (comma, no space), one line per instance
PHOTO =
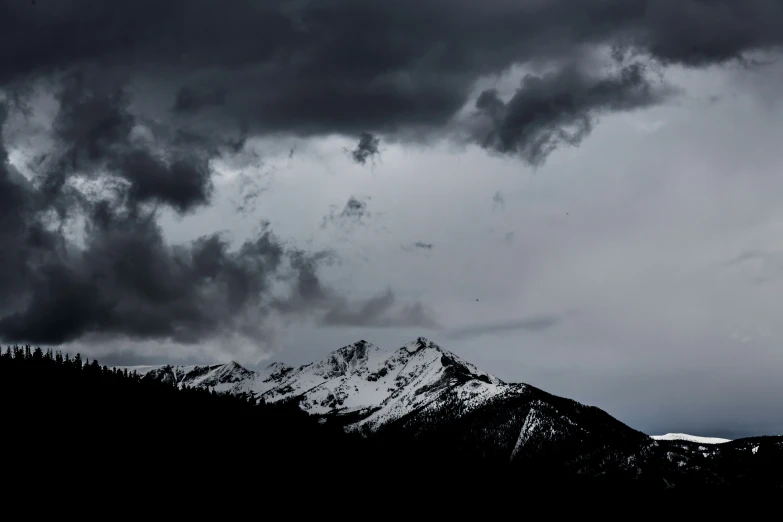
381,311
94,132
367,148
558,108
529,324
190,100
123,279
384,68
127,281
354,212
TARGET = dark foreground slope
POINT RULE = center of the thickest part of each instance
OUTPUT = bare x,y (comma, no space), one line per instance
106,416
83,425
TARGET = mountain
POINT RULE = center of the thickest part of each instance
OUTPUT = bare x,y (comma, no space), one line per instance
229,377
438,435
422,404
691,438
359,384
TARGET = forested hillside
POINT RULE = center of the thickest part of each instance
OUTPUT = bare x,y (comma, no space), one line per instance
57,401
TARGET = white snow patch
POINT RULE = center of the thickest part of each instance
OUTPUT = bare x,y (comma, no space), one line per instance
529,426
690,438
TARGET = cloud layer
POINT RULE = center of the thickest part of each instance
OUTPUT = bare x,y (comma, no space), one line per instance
368,68
145,96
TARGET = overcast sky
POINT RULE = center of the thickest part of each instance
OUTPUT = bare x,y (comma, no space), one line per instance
579,195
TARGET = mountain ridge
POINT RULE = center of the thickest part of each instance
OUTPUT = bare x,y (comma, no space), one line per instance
423,396
359,378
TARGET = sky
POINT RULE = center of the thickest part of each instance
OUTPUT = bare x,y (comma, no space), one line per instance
579,195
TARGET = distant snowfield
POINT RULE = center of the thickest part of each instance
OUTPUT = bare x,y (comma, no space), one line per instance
691,438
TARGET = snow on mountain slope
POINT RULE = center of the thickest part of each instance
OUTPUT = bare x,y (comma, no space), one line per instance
230,377
378,386
347,380
372,385
421,375
690,438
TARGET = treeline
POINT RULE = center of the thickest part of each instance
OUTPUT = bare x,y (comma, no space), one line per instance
84,415
53,400
49,384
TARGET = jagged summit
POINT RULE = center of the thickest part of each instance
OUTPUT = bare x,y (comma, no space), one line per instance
421,343
352,355
232,372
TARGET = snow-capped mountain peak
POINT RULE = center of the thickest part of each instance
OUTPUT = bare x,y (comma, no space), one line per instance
429,349
348,359
233,372
420,344
360,379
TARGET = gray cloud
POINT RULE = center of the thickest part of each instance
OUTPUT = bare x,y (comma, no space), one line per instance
746,255
498,201
354,212
367,148
418,245
558,108
758,266
528,324
250,188
381,311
